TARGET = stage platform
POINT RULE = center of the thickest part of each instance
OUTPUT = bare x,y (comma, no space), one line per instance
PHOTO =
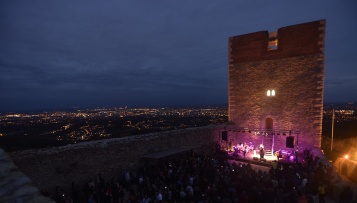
266,161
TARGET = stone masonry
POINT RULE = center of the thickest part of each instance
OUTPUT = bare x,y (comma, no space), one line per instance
59,166
15,186
294,69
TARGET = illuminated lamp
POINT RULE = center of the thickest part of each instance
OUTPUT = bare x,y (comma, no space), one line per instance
291,158
268,93
346,156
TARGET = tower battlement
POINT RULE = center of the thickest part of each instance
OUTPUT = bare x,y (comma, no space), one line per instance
296,40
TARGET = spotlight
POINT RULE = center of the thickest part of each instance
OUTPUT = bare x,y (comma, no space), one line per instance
346,156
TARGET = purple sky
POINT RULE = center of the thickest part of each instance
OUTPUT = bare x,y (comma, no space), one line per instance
87,53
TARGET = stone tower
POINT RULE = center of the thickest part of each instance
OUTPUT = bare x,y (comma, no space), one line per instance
276,80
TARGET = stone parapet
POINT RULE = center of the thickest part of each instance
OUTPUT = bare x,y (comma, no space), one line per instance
59,166
15,186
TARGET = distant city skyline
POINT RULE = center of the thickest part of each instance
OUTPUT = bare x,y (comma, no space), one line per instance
64,54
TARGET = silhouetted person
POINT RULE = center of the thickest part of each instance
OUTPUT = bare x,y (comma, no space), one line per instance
346,195
261,152
322,191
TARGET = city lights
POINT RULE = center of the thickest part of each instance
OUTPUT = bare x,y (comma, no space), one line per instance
102,123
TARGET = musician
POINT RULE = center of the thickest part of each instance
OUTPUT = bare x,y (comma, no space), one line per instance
244,149
230,146
278,155
261,152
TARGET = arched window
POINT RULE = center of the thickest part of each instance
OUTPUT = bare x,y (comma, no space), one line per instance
269,123
271,93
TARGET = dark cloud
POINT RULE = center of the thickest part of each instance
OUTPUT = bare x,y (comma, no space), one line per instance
85,53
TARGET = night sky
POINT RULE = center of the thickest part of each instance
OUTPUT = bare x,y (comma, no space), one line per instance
87,53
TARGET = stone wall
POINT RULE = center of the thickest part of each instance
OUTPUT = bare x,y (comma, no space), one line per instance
15,186
61,165
347,167
295,70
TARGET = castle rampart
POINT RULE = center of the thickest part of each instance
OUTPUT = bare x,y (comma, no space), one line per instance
60,166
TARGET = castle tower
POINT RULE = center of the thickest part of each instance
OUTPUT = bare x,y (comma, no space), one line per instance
276,80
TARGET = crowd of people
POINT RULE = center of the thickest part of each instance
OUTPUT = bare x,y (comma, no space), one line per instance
192,177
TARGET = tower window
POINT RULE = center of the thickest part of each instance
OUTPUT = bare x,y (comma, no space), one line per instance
271,93
273,41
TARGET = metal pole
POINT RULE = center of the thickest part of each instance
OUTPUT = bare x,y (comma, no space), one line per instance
333,123
297,148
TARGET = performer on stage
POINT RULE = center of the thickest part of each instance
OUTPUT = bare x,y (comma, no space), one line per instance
244,149
261,152
278,155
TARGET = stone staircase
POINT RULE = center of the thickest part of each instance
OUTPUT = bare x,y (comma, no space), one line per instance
272,143
268,145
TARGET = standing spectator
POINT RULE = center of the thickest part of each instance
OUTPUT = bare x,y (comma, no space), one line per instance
159,196
346,195
322,191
